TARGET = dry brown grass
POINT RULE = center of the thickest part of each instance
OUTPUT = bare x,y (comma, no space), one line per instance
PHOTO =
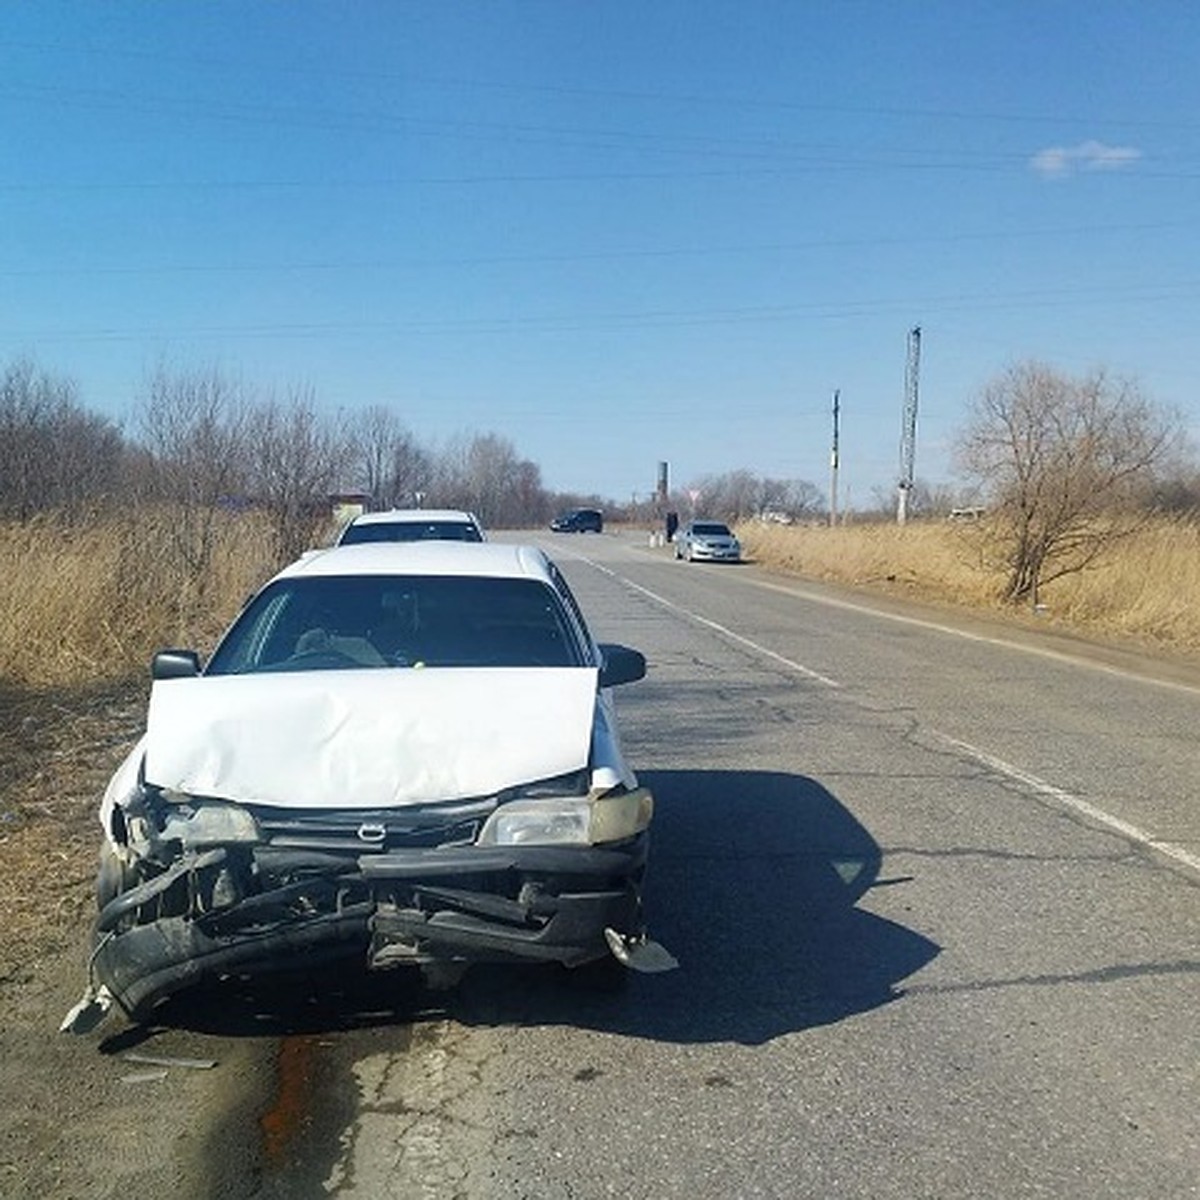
1147,589
1144,589
82,604
88,602
82,608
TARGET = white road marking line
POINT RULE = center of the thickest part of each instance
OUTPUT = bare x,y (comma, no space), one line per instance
799,668
1076,803
1064,798
986,639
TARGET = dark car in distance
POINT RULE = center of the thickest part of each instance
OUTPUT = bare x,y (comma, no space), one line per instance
579,520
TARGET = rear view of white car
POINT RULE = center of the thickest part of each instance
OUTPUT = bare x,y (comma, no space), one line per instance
413,525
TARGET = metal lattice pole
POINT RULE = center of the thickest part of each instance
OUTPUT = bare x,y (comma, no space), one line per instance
833,463
908,433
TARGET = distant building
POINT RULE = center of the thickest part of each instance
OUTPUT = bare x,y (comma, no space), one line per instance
345,506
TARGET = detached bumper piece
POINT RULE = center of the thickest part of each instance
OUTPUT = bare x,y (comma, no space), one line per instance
145,965
428,907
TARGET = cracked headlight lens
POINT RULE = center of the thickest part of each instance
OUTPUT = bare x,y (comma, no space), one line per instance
569,821
209,823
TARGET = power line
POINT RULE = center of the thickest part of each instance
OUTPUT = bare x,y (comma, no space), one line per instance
100,52
644,318
630,253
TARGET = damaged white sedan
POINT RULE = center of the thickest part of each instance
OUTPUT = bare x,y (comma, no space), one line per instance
404,752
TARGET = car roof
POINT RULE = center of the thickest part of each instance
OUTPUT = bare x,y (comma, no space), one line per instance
485,559
415,516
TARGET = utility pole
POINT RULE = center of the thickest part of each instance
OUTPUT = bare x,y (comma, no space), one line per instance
908,431
833,464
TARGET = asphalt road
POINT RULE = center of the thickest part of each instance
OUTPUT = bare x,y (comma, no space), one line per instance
934,895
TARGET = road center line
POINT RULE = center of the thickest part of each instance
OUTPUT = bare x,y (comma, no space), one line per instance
799,668
1075,803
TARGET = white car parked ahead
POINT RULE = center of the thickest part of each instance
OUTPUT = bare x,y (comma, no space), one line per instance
413,525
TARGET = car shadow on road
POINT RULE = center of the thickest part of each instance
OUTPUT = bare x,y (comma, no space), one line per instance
753,885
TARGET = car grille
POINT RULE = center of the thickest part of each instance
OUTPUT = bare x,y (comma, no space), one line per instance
361,831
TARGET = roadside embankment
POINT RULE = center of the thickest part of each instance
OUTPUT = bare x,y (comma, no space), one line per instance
1142,590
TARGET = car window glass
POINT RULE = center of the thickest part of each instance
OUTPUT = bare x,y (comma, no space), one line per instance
339,623
568,598
410,531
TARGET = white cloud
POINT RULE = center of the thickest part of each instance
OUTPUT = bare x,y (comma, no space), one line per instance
1055,162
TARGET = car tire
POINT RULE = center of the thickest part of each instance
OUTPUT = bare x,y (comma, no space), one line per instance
113,878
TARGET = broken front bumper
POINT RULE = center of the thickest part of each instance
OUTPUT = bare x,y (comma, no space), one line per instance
446,904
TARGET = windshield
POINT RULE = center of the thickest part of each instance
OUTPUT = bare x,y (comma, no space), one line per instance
711,529
410,531
343,622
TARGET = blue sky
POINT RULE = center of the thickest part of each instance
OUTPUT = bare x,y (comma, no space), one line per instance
615,233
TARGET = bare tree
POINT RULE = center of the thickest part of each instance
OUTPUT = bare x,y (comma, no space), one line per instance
387,461
530,503
54,455
192,430
1179,493
738,495
1064,466
296,459
798,498
485,474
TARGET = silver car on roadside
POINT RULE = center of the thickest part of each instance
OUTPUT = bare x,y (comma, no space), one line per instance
707,541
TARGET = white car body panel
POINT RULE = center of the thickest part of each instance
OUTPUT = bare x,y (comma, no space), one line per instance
366,739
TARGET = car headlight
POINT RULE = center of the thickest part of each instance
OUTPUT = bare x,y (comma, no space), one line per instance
569,820
200,824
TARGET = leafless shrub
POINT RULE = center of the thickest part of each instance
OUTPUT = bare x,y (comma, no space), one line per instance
192,428
295,459
386,461
1064,467
738,495
54,454
485,475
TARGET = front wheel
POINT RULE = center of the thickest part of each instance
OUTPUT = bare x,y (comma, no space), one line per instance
113,877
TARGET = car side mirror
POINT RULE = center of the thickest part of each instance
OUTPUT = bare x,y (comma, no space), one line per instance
620,664
175,664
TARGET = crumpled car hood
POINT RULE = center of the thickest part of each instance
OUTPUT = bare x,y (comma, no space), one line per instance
370,738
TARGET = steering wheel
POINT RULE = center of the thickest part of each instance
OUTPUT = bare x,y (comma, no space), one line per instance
316,660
